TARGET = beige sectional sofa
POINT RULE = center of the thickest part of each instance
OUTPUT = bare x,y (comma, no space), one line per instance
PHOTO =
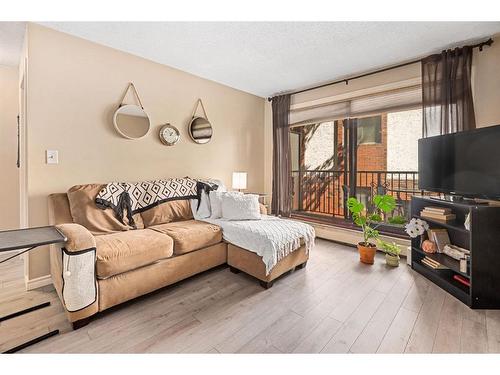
167,246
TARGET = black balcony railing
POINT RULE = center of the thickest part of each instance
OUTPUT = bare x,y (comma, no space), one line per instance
325,192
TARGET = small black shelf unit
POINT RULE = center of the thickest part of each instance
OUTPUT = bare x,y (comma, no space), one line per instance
483,241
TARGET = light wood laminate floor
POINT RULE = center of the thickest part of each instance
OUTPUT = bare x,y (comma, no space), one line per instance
334,305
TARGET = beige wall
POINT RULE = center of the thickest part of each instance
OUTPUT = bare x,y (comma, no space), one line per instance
486,84
268,149
9,188
73,88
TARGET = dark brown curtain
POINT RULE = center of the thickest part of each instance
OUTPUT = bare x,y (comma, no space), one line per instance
447,93
281,197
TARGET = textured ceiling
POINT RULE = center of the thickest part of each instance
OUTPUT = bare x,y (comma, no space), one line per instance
11,42
264,58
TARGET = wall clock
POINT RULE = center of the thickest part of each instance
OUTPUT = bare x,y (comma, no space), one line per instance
169,135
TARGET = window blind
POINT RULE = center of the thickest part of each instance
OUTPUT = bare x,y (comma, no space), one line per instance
332,111
387,101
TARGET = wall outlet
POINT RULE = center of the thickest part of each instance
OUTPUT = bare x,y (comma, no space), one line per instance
52,157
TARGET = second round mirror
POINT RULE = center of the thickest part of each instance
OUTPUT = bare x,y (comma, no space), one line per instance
200,130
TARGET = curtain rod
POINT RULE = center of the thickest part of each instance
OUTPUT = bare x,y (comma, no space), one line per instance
488,42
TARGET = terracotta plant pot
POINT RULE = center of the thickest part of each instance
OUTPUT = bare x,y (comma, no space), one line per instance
367,253
392,260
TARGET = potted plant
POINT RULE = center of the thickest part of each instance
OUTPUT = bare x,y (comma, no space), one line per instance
369,222
392,251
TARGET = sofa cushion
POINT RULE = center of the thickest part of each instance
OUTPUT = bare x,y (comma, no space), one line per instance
85,212
167,212
190,235
125,251
59,212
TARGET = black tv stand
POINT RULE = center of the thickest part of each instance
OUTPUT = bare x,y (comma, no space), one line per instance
482,240
458,199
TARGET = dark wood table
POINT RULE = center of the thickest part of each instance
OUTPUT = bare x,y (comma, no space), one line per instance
26,240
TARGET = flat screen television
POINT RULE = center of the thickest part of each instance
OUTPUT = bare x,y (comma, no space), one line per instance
465,163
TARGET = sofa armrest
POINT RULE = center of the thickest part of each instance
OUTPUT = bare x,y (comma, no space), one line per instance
263,209
74,271
79,237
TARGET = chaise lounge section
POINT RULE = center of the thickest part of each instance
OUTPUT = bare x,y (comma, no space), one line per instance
105,263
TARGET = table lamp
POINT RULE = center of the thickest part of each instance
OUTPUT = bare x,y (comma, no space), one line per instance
239,180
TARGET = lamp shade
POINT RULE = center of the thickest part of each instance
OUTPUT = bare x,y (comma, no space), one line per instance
239,180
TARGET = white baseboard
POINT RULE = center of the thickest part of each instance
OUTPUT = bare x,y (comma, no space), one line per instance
37,282
352,237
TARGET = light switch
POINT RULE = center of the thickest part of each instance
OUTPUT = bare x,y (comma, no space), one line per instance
52,157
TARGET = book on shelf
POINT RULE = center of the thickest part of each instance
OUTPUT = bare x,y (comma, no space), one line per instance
440,237
438,210
455,252
435,216
462,280
433,264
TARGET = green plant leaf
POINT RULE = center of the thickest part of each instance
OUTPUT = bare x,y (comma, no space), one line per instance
375,217
389,248
359,220
371,233
354,205
386,202
397,220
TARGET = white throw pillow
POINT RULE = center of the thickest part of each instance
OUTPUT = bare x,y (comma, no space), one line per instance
203,211
216,202
240,207
220,184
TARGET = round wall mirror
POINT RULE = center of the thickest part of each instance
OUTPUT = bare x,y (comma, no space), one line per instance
200,130
131,121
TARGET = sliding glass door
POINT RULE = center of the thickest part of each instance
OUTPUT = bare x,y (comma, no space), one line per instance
320,161
362,156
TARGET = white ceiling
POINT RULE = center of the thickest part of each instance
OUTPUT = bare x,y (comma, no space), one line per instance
264,58
11,42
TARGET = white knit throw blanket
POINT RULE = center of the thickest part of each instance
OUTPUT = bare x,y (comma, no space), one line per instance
272,238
